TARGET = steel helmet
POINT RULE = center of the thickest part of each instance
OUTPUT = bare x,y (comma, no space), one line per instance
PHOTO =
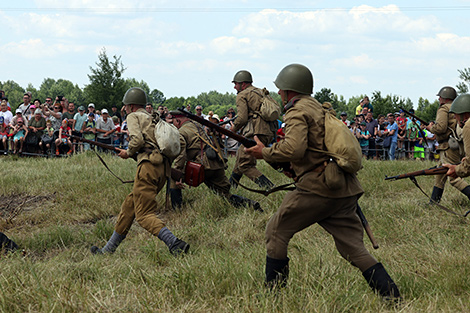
242,77
447,92
461,104
295,77
135,95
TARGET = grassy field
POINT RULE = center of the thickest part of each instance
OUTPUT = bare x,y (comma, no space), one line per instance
57,208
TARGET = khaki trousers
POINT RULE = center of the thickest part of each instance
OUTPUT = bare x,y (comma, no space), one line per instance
245,164
141,204
338,217
217,182
452,157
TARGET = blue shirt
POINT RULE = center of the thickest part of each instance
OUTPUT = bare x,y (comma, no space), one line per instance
394,126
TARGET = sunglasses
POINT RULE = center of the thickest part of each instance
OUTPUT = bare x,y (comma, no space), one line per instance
56,108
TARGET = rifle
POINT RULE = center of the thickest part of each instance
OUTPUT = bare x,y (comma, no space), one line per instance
280,167
436,170
227,121
414,116
92,142
366,226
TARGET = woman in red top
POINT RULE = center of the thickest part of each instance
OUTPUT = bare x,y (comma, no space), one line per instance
64,129
401,122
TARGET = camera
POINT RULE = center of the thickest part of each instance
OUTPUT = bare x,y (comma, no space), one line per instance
60,98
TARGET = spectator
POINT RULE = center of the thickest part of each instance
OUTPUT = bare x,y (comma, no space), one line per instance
419,145
48,138
19,132
7,115
199,111
78,120
48,103
24,107
115,112
344,118
89,130
69,114
371,126
55,116
117,136
402,122
3,135
91,109
379,135
32,109
165,110
104,129
412,130
149,108
160,110
63,139
364,137
36,128
359,107
366,104
97,115
391,131
209,115
125,132
231,145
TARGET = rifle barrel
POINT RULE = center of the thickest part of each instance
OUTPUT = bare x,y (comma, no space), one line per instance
430,171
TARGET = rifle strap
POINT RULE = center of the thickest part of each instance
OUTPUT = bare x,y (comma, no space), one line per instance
267,192
413,179
105,165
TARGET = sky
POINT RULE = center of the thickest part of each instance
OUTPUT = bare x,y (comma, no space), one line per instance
183,48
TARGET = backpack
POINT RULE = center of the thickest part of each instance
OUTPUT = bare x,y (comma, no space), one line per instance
168,138
340,142
269,110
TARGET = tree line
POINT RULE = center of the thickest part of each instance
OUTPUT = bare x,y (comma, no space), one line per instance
107,87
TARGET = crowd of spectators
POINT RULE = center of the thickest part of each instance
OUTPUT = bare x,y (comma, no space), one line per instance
390,137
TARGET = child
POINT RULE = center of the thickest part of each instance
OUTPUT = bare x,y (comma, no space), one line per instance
19,134
364,139
89,130
64,129
117,133
3,134
48,136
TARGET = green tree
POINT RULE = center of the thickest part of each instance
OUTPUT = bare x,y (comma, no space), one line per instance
52,88
389,104
463,87
157,97
427,110
132,82
14,92
107,87
326,95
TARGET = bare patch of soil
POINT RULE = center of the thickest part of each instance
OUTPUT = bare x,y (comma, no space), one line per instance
13,205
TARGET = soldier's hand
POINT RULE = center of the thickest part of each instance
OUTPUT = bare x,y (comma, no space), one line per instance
180,184
451,172
122,153
256,151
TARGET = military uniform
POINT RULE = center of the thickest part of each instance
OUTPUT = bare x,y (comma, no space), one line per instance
463,169
141,203
312,201
444,121
250,124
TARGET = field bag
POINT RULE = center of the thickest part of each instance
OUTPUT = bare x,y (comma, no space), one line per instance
168,139
269,110
340,143
193,174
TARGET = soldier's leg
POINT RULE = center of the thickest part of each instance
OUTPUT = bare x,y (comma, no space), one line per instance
453,157
346,229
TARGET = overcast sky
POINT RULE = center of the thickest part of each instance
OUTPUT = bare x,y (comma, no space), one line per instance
406,48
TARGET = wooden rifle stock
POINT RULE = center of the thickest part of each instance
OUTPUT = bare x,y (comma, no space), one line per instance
92,142
414,116
280,167
430,171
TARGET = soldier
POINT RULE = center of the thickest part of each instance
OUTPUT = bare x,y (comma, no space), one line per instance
250,123
461,108
141,203
443,128
313,202
195,149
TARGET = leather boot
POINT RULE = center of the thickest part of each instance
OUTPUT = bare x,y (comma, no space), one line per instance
176,198
264,182
466,191
437,194
239,201
234,179
379,280
277,272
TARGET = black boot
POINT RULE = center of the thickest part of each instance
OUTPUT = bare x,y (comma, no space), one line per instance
234,179
277,272
466,191
264,182
379,280
239,201
437,194
176,198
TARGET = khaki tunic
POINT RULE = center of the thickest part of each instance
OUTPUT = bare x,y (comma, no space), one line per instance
248,103
463,169
214,172
312,202
444,121
141,203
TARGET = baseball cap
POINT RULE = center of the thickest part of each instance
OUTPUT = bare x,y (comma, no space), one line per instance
104,111
81,108
19,111
344,114
91,114
91,105
363,124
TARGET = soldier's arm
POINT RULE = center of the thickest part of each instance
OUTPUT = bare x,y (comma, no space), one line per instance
136,139
242,114
463,169
442,120
180,160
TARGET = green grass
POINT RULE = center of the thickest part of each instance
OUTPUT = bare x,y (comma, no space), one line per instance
424,248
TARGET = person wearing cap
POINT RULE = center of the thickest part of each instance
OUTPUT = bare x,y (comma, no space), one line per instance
25,106
77,123
314,201
197,146
89,130
402,122
152,169
19,132
36,127
5,113
444,127
18,114
412,134
391,131
91,109
250,124
104,129
115,112
344,119
359,107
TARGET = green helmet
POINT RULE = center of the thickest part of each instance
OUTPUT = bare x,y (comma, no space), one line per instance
242,77
447,92
295,77
461,104
135,95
